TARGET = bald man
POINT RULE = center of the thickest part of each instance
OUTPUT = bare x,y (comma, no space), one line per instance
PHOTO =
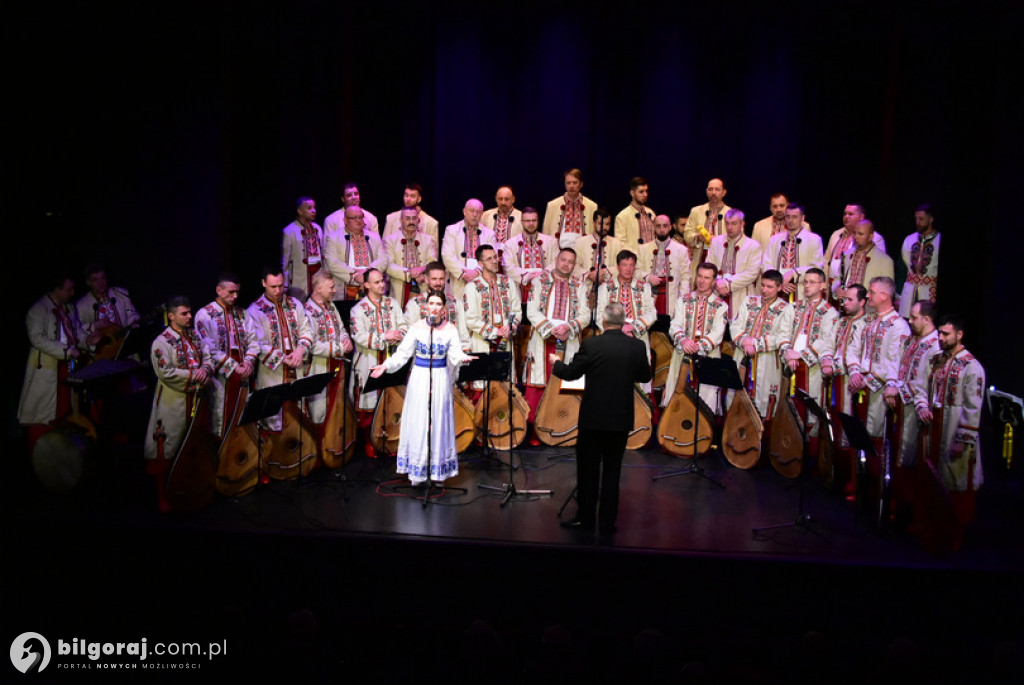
505,220
710,216
461,240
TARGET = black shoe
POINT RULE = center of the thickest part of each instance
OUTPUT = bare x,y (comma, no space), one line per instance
577,524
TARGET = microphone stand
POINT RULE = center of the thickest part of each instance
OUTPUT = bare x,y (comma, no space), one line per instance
431,486
509,488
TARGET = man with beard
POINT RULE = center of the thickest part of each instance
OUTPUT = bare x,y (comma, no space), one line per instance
921,257
491,305
666,266
435,279
591,262
957,392
412,197
104,307
330,342
634,225
841,240
529,253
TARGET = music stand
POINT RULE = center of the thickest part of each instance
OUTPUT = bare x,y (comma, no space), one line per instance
489,366
720,373
138,340
859,439
387,380
803,519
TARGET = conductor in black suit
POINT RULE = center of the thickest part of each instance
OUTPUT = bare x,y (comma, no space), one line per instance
612,362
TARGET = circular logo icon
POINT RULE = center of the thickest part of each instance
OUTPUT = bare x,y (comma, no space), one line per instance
30,652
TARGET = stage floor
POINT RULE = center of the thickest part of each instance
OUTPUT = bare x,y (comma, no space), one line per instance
376,568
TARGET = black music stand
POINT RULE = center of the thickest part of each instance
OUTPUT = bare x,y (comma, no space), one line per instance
721,373
138,340
803,520
387,380
857,435
489,366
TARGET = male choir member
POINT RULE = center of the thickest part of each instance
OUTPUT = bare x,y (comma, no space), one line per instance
408,253
912,382
182,363
587,247
350,198
873,360
491,304
103,306
412,197
558,311
863,261
666,265
810,340
793,252
460,244
330,343
55,335
921,257
436,277
634,225
234,348
738,259
957,389
910,395
774,224
505,220
849,327
612,362
377,326
566,217
282,329
529,253
841,240
705,222
698,326
633,292
302,249
350,253
761,327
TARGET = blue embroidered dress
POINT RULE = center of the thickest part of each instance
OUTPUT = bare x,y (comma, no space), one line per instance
431,367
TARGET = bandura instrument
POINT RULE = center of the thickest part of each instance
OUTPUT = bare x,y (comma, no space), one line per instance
339,428
465,429
387,418
786,442
686,426
558,413
293,452
640,434
503,425
191,483
238,456
743,428
661,349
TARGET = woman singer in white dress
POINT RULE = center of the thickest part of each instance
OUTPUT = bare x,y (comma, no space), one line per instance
435,343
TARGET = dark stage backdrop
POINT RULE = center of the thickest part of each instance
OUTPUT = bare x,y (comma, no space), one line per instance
170,140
